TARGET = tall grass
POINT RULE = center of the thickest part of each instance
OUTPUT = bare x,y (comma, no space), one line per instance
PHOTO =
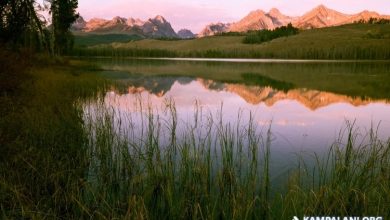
332,53
352,180
147,164
207,169
122,52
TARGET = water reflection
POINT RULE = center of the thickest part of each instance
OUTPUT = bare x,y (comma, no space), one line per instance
355,79
306,104
302,120
200,89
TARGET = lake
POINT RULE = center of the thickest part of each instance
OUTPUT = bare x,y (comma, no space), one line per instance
306,106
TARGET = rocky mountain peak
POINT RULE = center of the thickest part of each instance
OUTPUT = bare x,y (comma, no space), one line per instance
321,7
367,13
185,34
158,27
278,18
320,16
255,20
79,24
214,28
134,22
275,12
160,19
97,20
254,15
119,20
321,10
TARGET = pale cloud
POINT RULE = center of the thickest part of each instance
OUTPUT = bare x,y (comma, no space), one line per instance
195,14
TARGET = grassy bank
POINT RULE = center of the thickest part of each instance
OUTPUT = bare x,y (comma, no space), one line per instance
41,136
354,41
67,155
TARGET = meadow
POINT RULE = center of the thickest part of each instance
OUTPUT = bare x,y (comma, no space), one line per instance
85,40
353,41
61,159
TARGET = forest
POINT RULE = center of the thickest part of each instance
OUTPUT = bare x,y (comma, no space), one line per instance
258,37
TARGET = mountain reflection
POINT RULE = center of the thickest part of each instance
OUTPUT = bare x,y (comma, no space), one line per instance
252,94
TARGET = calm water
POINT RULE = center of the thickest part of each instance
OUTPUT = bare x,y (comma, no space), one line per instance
307,105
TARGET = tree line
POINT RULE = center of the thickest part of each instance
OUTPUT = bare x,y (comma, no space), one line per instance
373,21
22,25
261,36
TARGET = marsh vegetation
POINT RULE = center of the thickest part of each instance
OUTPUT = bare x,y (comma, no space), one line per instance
211,169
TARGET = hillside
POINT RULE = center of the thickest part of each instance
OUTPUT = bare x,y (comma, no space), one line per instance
354,41
85,40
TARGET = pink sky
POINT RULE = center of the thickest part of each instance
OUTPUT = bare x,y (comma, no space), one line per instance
195,14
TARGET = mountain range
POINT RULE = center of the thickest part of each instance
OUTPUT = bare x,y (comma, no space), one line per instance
319,17
157,27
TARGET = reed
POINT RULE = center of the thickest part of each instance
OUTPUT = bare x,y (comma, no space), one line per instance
351,52
210,168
